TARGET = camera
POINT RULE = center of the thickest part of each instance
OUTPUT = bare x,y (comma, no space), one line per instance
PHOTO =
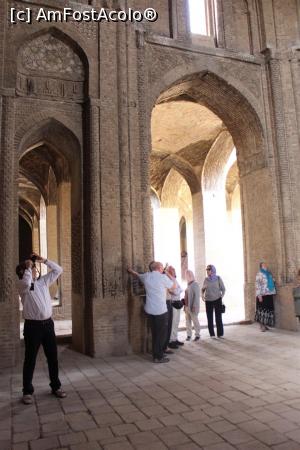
33,259
166,268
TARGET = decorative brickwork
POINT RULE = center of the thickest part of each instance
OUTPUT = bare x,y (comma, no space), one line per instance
78,98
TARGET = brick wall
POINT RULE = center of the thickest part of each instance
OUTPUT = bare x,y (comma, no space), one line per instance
126,71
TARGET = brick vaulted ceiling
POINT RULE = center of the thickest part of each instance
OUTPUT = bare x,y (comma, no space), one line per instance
182,133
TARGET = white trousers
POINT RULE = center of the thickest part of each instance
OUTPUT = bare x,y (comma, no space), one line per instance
189,318
175,325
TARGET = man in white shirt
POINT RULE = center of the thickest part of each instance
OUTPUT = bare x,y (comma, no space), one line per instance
156,283
39,326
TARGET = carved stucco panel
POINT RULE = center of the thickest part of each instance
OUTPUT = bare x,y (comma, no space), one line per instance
48,67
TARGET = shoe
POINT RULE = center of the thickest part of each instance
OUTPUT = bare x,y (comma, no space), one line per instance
197,338
179,343
168,352
173,345
161,360
59,393
188,338
221,337
27,399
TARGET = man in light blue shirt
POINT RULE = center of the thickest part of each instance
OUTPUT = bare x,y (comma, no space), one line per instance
156,283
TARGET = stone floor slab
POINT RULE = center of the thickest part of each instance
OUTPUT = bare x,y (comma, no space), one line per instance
211,396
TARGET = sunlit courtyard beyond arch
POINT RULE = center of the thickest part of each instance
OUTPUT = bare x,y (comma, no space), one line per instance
195,198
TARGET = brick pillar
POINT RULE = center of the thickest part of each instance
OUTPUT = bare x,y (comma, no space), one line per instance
92,230
36,236
199,236
9,305
64,247
283,168
52,240
183,26
145,149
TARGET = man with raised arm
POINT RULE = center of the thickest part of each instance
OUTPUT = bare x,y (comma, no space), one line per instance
38,326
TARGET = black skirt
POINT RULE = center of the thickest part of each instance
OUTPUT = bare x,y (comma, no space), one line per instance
265,311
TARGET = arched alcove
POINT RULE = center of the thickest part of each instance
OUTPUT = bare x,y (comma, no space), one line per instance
197,119
51,65
50,159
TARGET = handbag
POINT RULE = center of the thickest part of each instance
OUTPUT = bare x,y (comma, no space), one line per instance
177,304
223,308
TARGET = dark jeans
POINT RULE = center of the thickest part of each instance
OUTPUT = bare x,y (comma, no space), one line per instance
37,332
170,320
216,306
159,329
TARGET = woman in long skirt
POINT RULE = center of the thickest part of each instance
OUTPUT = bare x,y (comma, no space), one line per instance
265,291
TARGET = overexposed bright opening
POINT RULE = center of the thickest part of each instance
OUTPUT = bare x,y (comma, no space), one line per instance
224,237
176,202
198,19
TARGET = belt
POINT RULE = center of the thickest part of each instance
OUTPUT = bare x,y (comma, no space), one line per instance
41,322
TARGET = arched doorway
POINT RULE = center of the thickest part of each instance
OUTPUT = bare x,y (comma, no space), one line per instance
196,123
49,188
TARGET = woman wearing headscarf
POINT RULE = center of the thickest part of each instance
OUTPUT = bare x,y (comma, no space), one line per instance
213,291
192,306
265,291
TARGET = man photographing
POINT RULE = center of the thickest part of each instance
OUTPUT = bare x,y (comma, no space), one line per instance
39,326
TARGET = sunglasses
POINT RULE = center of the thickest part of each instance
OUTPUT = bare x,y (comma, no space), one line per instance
208,268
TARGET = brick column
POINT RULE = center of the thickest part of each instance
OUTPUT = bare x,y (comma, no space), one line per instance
92,230
145,149
9,314
199,236
283,168
183,26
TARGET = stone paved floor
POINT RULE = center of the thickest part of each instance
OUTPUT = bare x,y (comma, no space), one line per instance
242,392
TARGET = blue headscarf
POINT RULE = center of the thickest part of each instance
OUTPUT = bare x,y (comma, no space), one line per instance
271,285
213,273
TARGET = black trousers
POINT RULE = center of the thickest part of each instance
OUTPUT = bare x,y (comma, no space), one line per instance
216,306
159,329
170,320
36,333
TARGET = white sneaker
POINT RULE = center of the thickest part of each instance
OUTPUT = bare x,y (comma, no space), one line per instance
27,399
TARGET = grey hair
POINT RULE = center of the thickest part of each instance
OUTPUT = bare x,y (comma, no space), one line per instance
189,274
154,265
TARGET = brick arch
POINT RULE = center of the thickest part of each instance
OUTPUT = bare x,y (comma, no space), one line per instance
161,170
184,71
36,121
215,161
171,186
244,119
228,99
63,153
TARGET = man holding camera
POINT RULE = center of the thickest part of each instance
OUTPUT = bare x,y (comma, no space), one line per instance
39,326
